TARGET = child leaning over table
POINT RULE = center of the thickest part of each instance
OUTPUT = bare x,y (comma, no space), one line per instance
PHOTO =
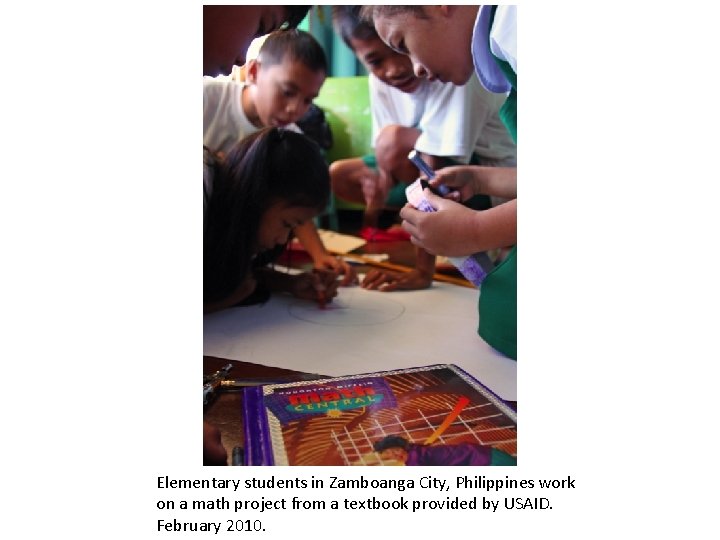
448,43
280,86
448,124
227,32
270,183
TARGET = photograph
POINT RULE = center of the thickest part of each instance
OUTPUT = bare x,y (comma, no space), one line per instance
360,216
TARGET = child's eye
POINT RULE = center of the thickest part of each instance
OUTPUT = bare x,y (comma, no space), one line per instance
400,46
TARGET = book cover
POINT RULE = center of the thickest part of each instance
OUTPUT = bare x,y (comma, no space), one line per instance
433,415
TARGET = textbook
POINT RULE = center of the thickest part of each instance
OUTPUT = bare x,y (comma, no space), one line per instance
432,415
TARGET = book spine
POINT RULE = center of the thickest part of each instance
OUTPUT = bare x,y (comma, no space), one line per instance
505,406
474,267
258,450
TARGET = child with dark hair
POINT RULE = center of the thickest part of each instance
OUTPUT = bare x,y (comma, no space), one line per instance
227,33
272,182
295,45
447,124
452,43
280,86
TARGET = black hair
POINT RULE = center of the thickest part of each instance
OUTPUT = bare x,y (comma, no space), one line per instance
368,13
295,15
391,441
272,165
348,23
300,45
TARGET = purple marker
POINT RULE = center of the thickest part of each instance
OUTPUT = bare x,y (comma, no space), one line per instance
427,171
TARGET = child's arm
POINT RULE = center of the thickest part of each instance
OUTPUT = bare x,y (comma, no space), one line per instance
469,180
419,278
457,231
322,260
314,286
245,289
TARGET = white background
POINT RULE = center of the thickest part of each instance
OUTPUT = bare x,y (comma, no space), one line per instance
101,224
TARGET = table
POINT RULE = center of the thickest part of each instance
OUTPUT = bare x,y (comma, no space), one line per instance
225,410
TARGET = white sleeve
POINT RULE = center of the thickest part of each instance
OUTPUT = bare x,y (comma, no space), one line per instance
382,108
453,120
214,117
209,103
503,35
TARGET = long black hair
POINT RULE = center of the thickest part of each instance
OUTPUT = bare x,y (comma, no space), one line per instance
272,165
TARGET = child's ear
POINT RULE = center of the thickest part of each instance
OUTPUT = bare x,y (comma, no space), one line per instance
252,69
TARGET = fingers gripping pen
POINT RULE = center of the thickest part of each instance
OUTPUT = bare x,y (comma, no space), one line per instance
474,267
424,168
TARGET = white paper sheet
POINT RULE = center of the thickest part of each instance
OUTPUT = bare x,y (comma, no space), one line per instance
363,331
336,242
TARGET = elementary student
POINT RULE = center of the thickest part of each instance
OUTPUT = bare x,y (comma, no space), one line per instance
227,33
270,183
448,43
446,123
280,85
313,123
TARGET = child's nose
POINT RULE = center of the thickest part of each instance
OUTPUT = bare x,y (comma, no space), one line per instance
293,106
392,70
419,70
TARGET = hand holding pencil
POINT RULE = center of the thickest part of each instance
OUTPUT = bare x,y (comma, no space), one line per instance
318,286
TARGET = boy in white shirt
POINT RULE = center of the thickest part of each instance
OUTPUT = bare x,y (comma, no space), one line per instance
281,83
447,124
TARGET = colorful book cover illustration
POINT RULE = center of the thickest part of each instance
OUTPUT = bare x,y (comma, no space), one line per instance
434,415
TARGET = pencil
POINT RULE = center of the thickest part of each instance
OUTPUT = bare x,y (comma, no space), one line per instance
398,267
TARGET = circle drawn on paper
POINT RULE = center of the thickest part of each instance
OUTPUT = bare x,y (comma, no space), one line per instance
349,310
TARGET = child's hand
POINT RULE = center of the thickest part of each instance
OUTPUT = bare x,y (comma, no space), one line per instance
375,189
387,280
444,232
456,231
469,180
460,179
337,265
318,286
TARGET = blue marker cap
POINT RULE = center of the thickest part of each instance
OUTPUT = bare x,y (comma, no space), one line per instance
426,170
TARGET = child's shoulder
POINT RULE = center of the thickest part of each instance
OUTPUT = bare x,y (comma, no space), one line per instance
219,87
220,80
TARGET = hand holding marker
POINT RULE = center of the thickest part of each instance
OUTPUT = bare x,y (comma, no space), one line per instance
474,267
427,171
